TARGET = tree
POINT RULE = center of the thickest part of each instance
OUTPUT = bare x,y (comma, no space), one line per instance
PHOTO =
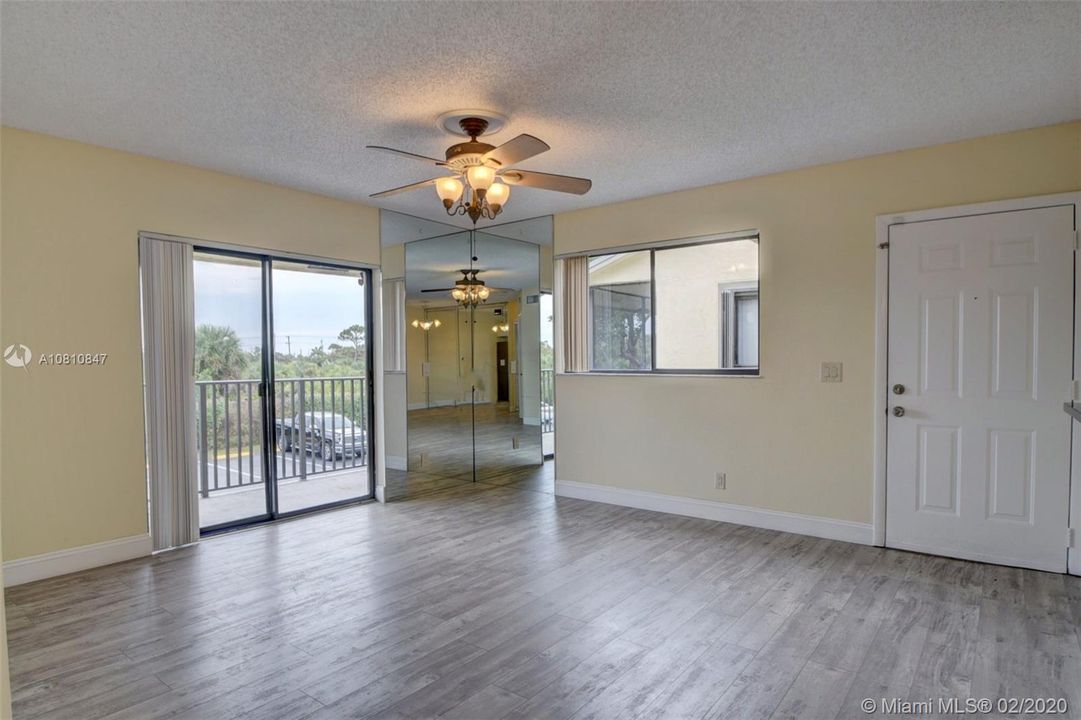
354,334
218,355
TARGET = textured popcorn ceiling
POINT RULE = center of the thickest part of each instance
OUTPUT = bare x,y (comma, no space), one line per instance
642,98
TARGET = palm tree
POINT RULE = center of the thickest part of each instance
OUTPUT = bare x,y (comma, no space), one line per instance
218,355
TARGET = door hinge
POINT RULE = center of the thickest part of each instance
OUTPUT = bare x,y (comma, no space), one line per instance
1069,537
1077,239
1075,391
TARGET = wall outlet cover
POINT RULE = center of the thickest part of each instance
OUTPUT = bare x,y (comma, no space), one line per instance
832,372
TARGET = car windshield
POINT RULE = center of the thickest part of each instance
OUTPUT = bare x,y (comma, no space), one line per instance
337,422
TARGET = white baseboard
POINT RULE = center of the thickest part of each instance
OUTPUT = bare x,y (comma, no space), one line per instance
396,462
844,530
62,562
442,403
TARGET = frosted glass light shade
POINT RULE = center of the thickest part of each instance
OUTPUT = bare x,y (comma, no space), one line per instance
498,194
480,177
449,188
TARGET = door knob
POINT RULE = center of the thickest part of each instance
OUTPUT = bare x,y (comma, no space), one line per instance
898,389
898,411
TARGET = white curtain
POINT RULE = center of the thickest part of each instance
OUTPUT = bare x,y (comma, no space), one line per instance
572,315
168,366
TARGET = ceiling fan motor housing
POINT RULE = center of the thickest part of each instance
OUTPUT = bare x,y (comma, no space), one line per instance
467,154
471,153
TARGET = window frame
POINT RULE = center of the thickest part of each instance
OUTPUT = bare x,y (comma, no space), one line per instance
728,298
652,249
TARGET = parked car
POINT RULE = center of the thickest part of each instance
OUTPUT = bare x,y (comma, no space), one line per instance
328,435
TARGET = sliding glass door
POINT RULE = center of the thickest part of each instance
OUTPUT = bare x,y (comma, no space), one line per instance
321,388
229,343
283,386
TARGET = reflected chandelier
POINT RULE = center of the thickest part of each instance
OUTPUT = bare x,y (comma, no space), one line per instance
468,291
426,325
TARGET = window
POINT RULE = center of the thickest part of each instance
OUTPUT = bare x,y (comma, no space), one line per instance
677,308
620,308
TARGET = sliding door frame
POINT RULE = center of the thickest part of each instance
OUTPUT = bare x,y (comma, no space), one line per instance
369,386
265,397
267,386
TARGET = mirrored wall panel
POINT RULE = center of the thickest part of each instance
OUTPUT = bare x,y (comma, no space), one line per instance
473,354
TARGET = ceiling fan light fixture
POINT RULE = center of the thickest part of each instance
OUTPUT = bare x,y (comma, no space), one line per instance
497,196
480,177
449,190
473,189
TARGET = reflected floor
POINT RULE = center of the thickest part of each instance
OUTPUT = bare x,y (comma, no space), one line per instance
441,441
406,484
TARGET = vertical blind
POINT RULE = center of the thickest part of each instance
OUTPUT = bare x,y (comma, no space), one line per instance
572,296
168,306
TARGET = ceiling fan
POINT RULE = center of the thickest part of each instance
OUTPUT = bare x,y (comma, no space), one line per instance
469,290
483,166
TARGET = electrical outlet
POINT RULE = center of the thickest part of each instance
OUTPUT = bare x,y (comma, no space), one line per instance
832,372
722,481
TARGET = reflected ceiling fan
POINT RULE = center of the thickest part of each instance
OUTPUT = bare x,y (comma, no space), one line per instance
469,290
481,174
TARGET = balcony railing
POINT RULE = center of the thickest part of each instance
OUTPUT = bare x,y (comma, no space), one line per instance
548,400
320,427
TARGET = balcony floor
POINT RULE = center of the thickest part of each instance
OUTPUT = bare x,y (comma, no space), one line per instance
226,506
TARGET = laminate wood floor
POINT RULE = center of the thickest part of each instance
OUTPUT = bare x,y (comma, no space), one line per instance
495,601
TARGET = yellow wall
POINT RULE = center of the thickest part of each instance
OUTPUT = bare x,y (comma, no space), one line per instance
73,461
786,441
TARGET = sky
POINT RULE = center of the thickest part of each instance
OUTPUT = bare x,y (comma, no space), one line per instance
310,307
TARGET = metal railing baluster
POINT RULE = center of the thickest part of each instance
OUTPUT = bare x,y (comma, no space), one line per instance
251,433
353,417
214,403
228,455
204,480
303,430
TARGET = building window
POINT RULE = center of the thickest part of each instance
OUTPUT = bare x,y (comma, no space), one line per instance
690,308
621,310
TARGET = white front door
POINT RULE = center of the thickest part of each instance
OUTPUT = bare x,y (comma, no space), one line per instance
980,361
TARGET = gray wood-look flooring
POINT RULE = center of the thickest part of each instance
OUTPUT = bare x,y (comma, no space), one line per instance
495,600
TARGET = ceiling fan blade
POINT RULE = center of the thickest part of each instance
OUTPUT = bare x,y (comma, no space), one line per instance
545,181
403,153
404,188
438,290
514,151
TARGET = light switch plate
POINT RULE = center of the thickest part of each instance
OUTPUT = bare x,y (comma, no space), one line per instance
832,372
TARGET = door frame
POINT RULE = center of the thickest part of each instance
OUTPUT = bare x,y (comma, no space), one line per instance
883,223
